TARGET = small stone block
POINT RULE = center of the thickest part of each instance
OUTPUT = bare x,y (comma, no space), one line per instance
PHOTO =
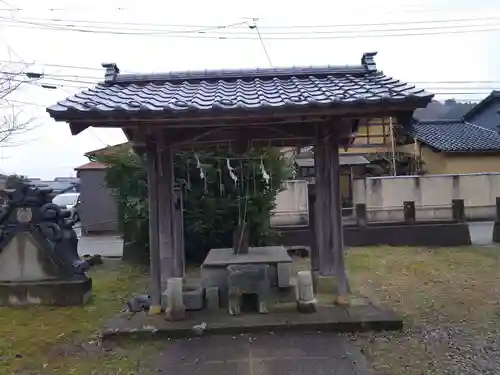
154,310
192,296
284,271
306,307
212,298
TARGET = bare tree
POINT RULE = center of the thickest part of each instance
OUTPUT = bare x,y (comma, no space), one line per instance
13,121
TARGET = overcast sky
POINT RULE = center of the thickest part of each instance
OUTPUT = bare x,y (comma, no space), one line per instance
46,33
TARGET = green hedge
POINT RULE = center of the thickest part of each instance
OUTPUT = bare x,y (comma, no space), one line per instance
211,208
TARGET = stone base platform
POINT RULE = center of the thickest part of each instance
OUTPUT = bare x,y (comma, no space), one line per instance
48,292
328,318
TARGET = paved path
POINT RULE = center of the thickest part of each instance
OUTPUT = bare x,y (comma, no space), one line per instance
290,354
481,232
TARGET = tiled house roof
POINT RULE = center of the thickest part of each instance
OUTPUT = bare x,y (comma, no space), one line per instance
454,136
494,95
210,91
93,165
109,149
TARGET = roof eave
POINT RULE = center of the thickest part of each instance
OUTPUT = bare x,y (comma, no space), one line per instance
79,120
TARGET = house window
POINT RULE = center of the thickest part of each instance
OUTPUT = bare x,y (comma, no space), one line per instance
375,132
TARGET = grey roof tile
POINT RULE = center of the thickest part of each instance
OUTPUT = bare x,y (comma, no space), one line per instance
455,136
238,89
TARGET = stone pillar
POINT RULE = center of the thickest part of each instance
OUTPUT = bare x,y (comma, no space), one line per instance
496,226
154,251
306,302
328,206
175,309
360,214
458,210
409,211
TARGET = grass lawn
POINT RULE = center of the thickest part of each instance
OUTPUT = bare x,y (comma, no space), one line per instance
451,302
450,299
45,340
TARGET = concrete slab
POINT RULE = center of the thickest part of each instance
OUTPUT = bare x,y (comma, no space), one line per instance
280,319
276,354
256,255
481,232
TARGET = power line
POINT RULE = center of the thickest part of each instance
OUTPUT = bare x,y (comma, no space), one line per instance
438,89
97,79
410,8
256,28
202,28
436,30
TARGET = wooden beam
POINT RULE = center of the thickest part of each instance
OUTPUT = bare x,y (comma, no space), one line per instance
154,251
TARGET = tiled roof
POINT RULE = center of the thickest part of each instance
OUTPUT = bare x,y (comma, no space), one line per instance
455,136
91,166
494,95
203,91
109,149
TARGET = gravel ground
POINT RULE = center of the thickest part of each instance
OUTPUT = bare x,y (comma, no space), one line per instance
450,299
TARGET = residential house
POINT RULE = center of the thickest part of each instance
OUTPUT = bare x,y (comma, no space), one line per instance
470,144
98,212
59,185
486,113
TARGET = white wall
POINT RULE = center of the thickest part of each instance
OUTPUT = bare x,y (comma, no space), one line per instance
432,194
384,197
291,204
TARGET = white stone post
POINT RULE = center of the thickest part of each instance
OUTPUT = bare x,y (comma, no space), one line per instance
175,309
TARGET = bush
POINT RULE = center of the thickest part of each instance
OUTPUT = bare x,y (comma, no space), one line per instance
211,205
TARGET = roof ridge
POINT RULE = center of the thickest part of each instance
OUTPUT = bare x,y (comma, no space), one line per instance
112,74
436,121
482,127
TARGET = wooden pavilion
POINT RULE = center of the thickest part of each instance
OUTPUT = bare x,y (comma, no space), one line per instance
163,113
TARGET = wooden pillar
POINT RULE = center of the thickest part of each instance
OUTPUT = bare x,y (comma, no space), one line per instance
179,232
154,251
329,232
315,217
169,257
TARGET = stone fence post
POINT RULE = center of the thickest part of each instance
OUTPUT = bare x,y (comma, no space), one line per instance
458,210
409,211
360,209
496,227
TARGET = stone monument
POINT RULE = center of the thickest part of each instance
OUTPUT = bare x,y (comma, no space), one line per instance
39,262
245,281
